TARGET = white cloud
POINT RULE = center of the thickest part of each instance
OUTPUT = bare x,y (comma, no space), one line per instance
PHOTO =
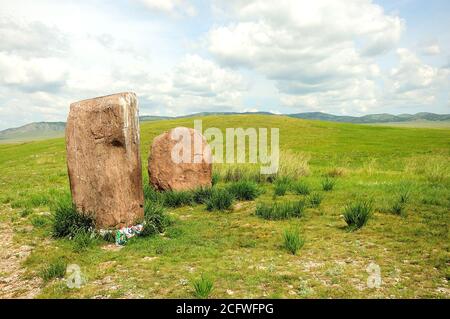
195,85
411,83
251,110
40,83
414,82
32,74
25,38
325,48
42,70
300,24
284,55
172,7
432,49
357,95
411,74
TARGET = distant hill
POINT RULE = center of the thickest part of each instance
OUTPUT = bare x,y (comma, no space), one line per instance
33,131
153,118
416,124
43,130
373,118
223,113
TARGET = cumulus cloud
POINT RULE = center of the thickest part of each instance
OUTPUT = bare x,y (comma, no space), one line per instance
31,38
195,85
414,82
32,74
411,74
325,48
41,83
301,26
290,55
33,71
357,94
410,83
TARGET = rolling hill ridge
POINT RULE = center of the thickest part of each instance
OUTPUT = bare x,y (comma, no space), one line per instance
42,130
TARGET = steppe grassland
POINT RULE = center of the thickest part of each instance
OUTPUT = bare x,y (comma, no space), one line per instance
243,254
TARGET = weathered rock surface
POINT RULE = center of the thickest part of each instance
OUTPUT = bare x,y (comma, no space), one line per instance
103,159
191,168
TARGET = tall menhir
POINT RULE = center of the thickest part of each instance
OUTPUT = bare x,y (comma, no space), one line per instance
103,159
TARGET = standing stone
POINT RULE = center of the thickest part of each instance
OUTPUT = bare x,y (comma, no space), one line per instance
193,171
103,159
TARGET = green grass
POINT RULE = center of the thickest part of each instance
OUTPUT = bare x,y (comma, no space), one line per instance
301,188
84,240
315,199
202,194
241,249
244,190
221,199
328,184
151,194
56,269
67,220
177,198
282,185
25,212
155,219
398,208
203,287
215,178
280,210
418,124
39,221
357,214
402,197
292,241
236,173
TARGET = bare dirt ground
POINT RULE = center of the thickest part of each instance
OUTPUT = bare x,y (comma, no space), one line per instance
13,282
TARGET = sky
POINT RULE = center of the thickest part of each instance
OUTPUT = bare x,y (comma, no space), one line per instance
347,57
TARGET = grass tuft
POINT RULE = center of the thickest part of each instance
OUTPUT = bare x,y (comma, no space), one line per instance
301,188
403,196
292,241
67,221
238,172
357,214
328,184
215,178
293,165
25,212
244,190
202,194
315,199
279,211
155,219
398,208
151,194
56,269
203,287
177,198
282,185
336,172
39,221
221,199
84,240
